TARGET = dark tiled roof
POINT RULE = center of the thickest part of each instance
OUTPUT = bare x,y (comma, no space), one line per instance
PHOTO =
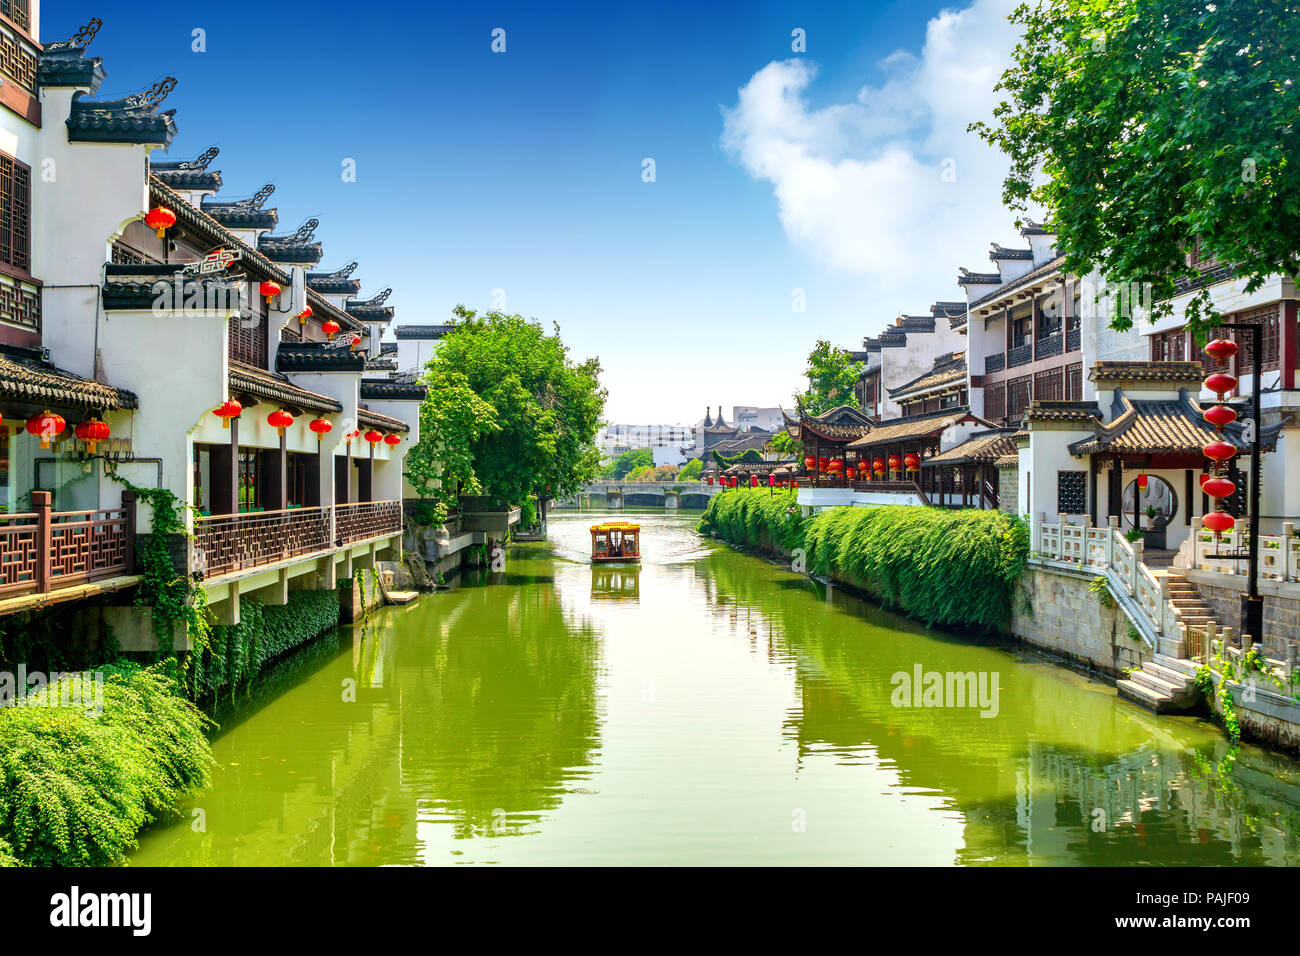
954,312
244,213
1041,410
379,420
205,226
289,249
423,331
916,323
24,377
135,291
841,424
133,119
334,283
189,173
278,390
381,364
388,348
979,278
1031,228
947,371
393,391
318,357
1002,252
982,448
913,426
1174,373
371,310
66,64
1168,426
1029,278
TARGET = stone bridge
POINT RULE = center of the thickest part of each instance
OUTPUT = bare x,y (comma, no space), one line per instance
616,495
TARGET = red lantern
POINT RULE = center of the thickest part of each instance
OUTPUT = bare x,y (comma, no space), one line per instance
391,440
733,481
1218,521
771,481
913,462
836,464
92,432
279,420
304,315
710,479
269,289
1220,451
320,426
1221,349
374,437
329,327
753,481
1204,479
1142,482
894,463
1220,415
226,411
879,466
46,426
1218,487
160,219
1220,384
849,473
810,463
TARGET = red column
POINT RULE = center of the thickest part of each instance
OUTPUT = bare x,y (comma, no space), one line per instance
44,564
1289,343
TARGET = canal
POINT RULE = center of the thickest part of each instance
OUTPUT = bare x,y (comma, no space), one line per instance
710,707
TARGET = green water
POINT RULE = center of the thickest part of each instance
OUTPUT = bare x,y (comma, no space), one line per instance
709,707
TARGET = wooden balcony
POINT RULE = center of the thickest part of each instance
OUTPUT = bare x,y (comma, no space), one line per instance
224,544
44,550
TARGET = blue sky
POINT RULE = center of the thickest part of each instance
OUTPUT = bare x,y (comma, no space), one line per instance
522,171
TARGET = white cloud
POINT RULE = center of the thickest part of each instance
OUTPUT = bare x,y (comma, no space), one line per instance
860,185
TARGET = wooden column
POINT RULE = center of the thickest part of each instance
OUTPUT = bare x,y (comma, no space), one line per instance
1034,316
277,479
223,465
1288,342
41,501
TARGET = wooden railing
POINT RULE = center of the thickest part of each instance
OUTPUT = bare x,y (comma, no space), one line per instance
225,543
1279,554
366,519
43,550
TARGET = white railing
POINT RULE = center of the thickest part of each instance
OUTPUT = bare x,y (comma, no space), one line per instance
1107,553
1279,554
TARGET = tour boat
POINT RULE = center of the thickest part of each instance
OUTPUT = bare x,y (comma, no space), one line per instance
615,541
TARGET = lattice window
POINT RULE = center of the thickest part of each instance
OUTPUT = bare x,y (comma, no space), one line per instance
15,214
290,335
16,11
1049,385
1268,317
124,255
1071,492
1074,382
1168,346
248,339
995,401
1018,393
20,302
18,62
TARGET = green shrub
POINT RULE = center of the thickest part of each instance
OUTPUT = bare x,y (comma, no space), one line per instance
75,789
942,567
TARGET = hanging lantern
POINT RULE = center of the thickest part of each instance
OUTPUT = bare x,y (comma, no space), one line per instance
226,411
1142,482
753,481
1221,349
849,473
823,464
710,479
374,437
304,315
810,463
912,462
895,464
92,432
353,434
279,420
46,426
1220,384
1218,521
1204,479
836,464
1218,487
329,327
160,219
269,289
1220,415
1220,451
771,481
878,466
320,426
391,440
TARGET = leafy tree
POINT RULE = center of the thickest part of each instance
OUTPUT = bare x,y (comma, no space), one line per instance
691,470
1142,126
529,415
832,380
642,473
453,420
619,468
749,455
666,472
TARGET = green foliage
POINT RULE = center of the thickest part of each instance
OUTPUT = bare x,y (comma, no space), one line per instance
429,513
627,462
1133,535
751,456
1141,125
832,379
526,415
239,652
642,473
75,789
691,470
1101,591
939,566
755,519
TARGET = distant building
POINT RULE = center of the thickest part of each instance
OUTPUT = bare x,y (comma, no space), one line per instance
664,441
746,417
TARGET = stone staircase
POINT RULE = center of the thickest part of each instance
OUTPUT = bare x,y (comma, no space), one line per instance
1189,607
1164,685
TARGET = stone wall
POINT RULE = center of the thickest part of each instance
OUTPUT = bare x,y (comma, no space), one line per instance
1223,594
1009,489
1059,614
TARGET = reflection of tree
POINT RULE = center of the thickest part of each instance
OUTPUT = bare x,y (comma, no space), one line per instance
1030,781
498,715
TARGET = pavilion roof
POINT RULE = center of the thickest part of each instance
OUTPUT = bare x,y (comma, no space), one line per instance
841,424
1173,373
26,377
277,389
929,425
379,420
388,390
982,448
318,357
948,371
1162,426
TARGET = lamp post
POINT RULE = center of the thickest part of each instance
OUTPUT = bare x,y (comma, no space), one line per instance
1252,605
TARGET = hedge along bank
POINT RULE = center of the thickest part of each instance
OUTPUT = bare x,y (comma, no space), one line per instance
949,568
